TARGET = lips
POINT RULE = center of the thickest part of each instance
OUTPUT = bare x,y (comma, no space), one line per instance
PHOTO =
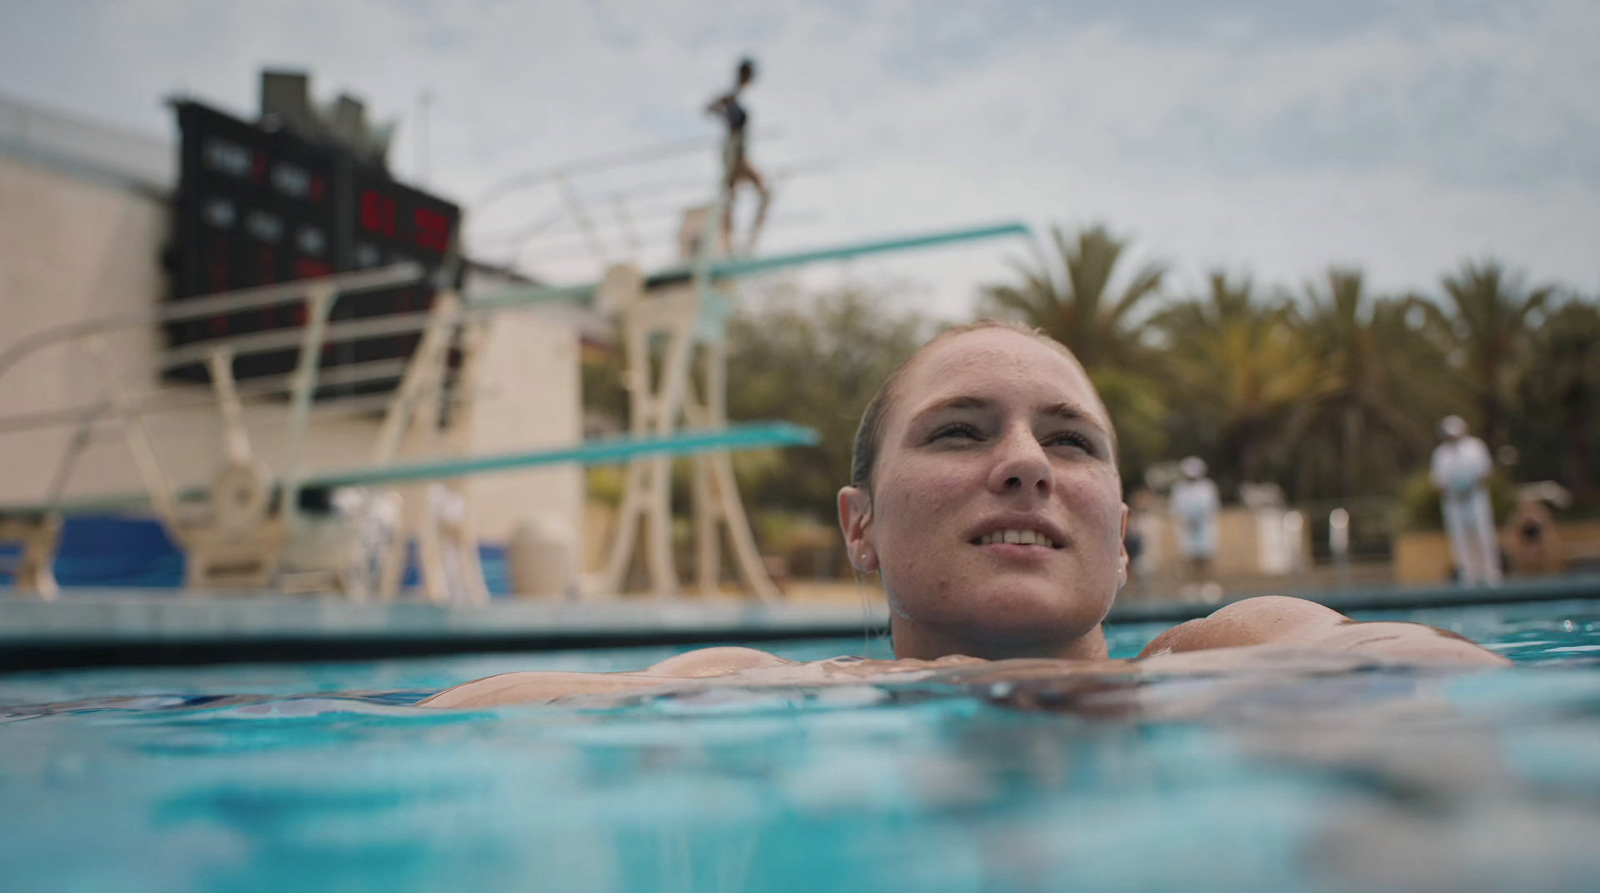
1013,536
1018,530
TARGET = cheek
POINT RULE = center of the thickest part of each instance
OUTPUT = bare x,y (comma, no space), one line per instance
923,496
1097,503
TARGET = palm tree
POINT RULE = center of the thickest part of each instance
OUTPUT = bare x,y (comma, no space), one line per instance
1238,366
1556,424
1490,333
1367,416
1069,296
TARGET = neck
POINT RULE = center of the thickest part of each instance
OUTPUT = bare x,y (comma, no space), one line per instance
912,640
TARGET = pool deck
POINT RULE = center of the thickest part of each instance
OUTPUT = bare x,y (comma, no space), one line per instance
86,628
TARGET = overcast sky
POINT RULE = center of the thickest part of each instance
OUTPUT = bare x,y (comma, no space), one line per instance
1274,136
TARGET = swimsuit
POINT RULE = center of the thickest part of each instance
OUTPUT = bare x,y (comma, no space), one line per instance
735,116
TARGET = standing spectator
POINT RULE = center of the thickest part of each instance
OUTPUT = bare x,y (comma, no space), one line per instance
1195,504
1461,467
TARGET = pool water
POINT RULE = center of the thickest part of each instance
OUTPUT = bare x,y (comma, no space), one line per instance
324,777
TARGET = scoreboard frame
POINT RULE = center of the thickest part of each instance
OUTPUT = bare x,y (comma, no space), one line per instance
259,205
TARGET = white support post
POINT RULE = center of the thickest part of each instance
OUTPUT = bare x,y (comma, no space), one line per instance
235,437
319,303
411,409
708,540
658,404
144,453
463,530
34,572
439,516
81,434
744,543
721,506
424,377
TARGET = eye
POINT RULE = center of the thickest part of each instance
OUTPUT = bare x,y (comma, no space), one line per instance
1071,439
955,429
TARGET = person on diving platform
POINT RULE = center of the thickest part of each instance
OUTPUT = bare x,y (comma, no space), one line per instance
736,163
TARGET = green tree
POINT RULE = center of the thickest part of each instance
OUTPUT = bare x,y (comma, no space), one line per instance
1236,366
1368,414
1070,297
1068,293
1555,423
814,360
1489,334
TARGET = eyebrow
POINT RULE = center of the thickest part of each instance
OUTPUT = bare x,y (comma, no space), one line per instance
1070,412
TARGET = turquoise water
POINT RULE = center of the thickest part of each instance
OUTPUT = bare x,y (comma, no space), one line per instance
323,778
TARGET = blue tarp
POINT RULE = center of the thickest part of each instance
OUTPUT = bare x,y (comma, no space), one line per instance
121,552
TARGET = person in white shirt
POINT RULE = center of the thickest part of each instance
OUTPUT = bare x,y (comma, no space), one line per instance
1194,507
1461,468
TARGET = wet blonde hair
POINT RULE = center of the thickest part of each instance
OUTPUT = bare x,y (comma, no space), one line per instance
869,434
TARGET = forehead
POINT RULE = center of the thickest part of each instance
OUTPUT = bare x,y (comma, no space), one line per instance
998,364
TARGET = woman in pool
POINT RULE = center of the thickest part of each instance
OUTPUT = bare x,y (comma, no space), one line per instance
985,491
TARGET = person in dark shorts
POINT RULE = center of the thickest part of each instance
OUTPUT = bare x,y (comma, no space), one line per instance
736,163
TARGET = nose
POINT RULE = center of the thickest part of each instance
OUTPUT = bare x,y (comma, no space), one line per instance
1021,465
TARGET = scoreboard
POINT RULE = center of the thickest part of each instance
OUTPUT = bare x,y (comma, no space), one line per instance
258,206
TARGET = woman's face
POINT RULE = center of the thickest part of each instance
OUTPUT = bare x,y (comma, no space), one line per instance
996,516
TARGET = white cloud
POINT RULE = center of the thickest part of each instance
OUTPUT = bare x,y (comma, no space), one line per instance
1401,136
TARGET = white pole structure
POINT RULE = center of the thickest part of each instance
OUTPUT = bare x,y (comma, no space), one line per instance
684,318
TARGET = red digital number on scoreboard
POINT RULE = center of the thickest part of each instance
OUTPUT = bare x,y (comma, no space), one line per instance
433,230
377,212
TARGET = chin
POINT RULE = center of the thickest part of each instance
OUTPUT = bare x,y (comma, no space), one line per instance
1027,617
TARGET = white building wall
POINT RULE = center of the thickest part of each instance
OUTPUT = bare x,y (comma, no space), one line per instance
529,397
72,249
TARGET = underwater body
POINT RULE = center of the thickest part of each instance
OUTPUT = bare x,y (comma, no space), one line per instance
325,777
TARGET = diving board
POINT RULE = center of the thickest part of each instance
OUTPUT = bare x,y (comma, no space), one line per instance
598,451
734,267
740,267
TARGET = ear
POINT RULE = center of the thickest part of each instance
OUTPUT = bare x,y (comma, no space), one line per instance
855,521
1122,551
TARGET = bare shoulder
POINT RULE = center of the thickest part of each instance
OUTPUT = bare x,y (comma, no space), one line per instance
1281,620
719,661
1251,621
531,687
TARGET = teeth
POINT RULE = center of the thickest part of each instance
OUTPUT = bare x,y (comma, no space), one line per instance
1017,537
